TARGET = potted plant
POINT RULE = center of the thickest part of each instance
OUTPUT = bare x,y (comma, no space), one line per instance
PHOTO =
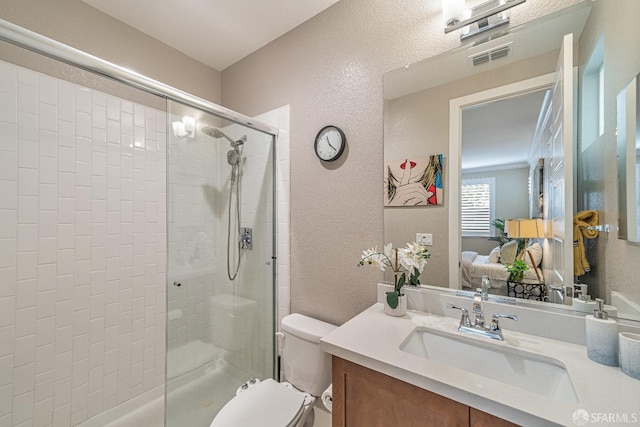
412,259
516,270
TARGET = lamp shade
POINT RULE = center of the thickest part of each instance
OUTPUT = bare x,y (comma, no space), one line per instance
524,228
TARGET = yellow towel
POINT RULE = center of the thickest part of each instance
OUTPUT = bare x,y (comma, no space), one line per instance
581,221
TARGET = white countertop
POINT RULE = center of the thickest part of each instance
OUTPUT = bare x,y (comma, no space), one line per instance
372,339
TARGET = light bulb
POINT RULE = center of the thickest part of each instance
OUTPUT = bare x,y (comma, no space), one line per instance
178,129
189,125
452,11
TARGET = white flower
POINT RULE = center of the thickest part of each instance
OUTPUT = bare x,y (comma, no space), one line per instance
388,250
373,257
413,259
414,256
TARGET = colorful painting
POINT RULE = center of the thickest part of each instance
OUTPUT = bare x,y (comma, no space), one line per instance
414,181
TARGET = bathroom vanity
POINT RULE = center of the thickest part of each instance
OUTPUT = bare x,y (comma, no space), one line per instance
378,399
419,370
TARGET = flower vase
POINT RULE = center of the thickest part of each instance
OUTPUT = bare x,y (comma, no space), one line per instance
400,310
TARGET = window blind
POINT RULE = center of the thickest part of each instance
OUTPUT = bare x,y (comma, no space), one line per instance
476,207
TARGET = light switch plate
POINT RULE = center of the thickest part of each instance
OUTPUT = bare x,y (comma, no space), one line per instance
424,239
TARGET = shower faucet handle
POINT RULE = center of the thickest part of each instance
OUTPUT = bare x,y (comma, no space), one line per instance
246,238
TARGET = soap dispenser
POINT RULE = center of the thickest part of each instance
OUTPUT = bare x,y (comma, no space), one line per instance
602,336
583,303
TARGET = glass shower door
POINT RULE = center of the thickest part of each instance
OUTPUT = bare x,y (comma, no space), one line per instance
220,269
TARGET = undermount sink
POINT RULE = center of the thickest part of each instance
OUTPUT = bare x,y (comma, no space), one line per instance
529,371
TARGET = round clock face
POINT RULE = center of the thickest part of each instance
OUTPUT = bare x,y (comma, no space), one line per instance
330,143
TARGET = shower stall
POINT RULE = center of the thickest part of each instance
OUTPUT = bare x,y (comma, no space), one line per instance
137,243
220,267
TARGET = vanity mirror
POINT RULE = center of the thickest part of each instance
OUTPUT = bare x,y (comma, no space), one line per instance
468,96
628,110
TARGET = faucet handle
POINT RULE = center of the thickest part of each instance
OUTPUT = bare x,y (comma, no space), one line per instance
505,316
457,307
495,324
464,319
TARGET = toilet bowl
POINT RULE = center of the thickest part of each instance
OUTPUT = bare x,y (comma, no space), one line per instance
269,403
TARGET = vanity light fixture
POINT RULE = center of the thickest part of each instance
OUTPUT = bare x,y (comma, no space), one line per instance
186,127
478,19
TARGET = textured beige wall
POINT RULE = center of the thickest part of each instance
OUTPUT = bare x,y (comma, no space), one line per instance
615,262
81,26
330,71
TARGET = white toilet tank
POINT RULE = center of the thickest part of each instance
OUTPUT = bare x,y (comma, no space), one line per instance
306,366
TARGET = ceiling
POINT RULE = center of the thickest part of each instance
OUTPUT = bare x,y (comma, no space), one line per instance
215,32
498,134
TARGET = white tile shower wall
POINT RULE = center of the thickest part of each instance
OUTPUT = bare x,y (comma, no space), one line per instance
192,251
255,282
82,250
280,118
199,190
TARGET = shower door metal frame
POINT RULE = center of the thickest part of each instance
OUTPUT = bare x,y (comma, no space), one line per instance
21,37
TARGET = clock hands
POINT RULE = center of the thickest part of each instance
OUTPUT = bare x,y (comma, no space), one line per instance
329,142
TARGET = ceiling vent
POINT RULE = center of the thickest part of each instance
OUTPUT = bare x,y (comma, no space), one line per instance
490,55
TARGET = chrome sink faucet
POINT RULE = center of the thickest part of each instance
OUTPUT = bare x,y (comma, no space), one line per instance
477,310
479,328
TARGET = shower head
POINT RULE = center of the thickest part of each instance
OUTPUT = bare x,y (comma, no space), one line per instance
216,133
233,157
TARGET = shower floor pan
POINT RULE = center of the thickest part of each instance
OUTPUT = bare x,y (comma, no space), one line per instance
195,398
191,356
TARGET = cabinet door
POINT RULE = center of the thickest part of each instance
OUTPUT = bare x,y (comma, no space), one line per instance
362,397
482,419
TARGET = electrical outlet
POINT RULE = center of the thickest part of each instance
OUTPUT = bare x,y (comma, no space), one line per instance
424,239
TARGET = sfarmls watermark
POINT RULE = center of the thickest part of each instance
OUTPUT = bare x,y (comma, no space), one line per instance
582,417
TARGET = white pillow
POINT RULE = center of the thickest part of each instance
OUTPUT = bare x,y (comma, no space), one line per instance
536,253
508,252
494,255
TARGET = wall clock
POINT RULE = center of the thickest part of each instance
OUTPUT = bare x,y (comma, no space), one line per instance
330,143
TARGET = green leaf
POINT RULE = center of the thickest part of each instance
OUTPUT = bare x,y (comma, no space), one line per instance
414,280
392,299
401,282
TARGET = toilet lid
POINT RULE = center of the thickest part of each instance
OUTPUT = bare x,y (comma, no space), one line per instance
267,404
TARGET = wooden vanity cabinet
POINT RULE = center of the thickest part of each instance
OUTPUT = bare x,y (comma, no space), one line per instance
363,397
482,419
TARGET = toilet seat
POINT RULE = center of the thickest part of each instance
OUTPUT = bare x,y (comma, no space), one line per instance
267,404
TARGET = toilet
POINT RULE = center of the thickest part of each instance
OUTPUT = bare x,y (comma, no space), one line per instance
307,370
